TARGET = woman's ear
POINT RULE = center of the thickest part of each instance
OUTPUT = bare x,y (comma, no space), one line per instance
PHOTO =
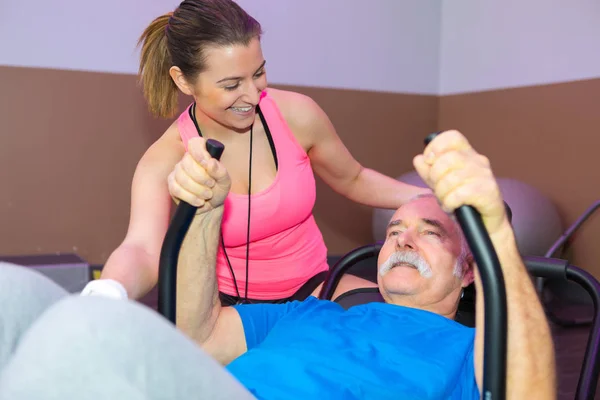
180,81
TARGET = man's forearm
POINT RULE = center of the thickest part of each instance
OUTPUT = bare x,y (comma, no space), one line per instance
374,189
530,356
198,303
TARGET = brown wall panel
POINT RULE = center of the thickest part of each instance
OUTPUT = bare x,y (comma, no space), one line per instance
547,136
71,141
69,145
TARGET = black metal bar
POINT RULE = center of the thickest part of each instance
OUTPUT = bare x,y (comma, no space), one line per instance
492,280
545,267
337,271
561,269
169,254
495,314
569,232
588,379
540,283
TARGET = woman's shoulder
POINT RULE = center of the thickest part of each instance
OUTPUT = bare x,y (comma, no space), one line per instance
299,110
167,149
289,101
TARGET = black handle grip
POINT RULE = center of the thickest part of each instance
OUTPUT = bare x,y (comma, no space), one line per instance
169,255
492,280
344,264
215,148
430,137
552,268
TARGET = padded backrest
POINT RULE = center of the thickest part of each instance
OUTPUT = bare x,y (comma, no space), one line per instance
465,314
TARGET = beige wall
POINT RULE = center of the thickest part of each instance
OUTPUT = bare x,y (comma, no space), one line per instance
70,142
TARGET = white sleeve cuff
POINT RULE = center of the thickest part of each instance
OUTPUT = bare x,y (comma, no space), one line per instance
105,287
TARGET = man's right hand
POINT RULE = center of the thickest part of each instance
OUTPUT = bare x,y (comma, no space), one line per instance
460,176
199,179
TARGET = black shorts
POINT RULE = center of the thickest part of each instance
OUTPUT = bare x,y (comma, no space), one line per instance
302,293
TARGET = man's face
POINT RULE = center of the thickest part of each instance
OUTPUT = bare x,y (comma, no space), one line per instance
421,262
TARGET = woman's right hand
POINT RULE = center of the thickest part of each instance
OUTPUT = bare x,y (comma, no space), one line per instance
198,179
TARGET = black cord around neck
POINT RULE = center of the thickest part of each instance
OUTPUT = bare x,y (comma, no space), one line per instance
245,300
249,198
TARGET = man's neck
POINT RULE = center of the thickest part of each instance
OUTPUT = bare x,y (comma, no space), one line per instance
447,307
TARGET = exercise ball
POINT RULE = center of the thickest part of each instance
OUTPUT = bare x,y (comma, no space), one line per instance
535,219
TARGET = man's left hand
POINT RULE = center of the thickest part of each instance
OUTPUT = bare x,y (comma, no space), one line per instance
459,176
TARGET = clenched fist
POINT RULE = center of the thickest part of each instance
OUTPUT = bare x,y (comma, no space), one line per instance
199,179
459,176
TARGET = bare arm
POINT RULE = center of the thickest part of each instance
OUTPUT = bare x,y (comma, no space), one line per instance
459,176
334,163
530,349
134,263
217,329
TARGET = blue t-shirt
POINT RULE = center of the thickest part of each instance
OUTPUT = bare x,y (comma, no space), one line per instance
317,350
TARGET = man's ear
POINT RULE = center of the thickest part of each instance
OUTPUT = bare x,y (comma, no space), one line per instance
469,275
180,81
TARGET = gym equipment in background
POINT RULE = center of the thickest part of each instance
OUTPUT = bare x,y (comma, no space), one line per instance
562,285
68,270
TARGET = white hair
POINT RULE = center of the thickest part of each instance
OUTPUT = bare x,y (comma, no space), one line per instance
463,257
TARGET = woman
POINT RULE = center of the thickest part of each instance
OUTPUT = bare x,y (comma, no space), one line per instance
272,249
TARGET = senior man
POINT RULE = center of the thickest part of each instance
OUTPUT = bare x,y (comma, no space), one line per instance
408,347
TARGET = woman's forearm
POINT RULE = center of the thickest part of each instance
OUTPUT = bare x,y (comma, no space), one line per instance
374,189
133,268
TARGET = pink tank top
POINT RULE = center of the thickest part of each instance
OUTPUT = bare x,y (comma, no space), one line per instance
286,245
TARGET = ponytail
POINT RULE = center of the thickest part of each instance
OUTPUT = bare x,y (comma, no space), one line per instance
155,61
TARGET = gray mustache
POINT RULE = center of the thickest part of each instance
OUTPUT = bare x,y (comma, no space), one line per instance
407,257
